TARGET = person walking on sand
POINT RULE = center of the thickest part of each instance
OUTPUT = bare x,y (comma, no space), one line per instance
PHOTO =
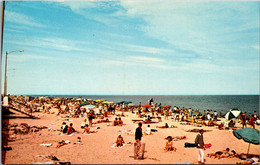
200,145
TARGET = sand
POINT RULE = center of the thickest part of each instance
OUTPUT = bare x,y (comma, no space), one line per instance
97,147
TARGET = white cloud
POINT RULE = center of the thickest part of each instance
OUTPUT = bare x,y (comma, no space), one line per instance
22,57
22,19
53,43
146,59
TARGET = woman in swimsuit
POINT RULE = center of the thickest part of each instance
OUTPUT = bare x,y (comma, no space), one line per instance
119,141
169,145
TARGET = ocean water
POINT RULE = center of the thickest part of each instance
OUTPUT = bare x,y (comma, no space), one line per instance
219,103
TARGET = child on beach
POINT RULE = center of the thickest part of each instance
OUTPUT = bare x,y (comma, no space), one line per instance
169,145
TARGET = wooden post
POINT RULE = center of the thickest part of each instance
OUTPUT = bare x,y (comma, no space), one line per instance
248,149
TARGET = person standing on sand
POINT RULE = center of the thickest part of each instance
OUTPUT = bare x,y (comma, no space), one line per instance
199,141
138,136
243,119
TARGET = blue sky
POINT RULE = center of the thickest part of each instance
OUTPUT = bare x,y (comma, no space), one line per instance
132,47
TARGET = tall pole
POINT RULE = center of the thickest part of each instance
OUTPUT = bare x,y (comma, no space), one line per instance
2,34
5,87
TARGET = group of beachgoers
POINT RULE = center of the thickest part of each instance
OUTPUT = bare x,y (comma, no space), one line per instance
75,108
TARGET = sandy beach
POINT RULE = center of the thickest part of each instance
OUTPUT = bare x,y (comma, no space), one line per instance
97,148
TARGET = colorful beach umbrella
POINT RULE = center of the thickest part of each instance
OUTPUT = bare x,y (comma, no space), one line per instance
233,113
146,105
85,103
166,106
249,135
108,102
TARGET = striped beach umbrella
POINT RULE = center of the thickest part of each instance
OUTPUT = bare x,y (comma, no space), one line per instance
233,113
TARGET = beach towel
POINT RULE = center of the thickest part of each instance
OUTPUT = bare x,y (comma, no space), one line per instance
189,145
207,145
154,130
46,145
114,146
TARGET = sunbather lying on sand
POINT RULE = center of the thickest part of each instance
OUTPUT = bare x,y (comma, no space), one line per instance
169,145
177,137
87,130
61,143
166,126
253,160
223,154
102,121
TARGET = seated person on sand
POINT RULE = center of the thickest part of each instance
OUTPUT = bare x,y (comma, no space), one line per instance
147,120
120,122
71,129
169,145
119,141
106,113
87,130
115,122
231,124
210,123
148,130
64,127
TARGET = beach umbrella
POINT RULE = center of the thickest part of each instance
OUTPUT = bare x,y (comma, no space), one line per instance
131,105
127,102
120,102
146,105
233,113
89,106
108,102
85,103
249,135
166,106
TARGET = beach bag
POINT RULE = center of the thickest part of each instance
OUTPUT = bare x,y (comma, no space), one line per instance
189,145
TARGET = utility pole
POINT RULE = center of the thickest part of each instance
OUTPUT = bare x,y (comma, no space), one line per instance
2,36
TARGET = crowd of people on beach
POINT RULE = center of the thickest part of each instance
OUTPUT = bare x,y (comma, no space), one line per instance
151,113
